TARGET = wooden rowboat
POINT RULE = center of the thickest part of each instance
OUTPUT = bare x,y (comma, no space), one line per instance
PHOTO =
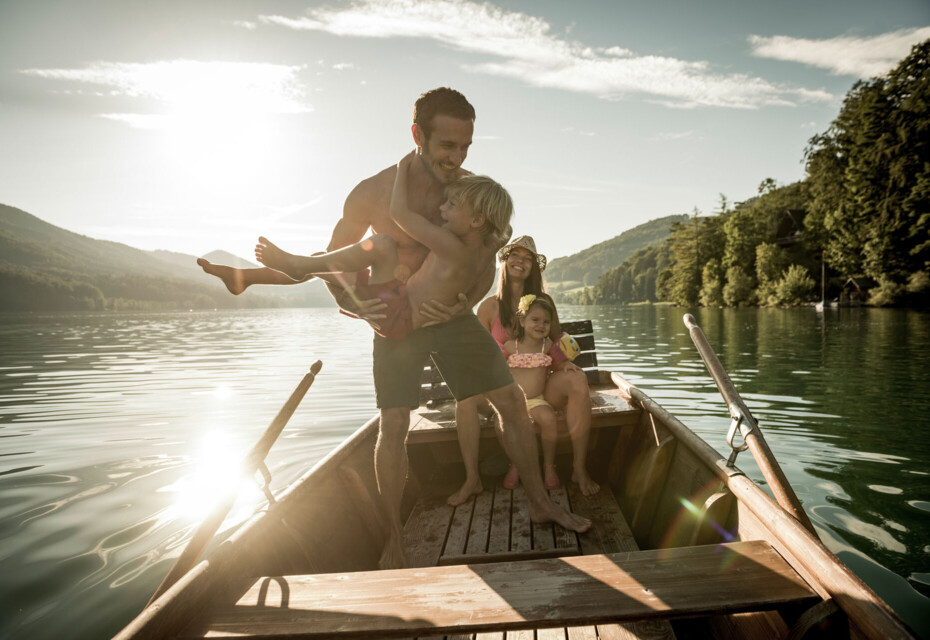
683,545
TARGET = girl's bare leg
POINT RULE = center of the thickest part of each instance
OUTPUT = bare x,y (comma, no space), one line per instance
545,417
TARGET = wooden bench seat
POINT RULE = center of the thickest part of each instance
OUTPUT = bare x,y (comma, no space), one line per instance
608,408
578,590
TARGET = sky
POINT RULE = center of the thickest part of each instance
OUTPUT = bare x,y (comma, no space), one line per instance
195,126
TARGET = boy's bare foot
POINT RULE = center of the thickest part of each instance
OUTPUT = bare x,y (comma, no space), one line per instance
588,486
551,512
393,555
464,494
230,276
275,258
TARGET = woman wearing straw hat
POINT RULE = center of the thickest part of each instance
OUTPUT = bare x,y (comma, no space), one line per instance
566,388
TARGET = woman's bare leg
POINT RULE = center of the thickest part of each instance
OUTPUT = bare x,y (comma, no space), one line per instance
569,389
469,432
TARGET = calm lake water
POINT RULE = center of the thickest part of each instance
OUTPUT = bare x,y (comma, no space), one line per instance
116,428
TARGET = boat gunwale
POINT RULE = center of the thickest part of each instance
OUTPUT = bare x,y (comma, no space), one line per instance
146,623
826,574
823,570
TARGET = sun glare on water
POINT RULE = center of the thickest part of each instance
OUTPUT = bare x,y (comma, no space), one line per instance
215,470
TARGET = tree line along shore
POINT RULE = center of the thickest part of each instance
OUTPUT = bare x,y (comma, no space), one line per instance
857,226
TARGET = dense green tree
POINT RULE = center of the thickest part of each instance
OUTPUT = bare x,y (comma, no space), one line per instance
795,286
738,289
711,285
869,177
693,244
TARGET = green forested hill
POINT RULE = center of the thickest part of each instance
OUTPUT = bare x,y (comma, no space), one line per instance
588,265
47,268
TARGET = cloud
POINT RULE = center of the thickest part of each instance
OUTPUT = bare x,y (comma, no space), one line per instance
864,57
673,135
577,131
185,89
527,51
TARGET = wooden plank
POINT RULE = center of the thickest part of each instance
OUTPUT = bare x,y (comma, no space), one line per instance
521,531
499,537
480,523
425,531
549,634
609,532
715,513
572,591
507,556
543,536
643,521
564,539
522,634
581,633
458,529
642,630
577,327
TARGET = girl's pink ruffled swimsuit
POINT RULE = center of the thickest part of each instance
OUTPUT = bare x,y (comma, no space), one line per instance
529,360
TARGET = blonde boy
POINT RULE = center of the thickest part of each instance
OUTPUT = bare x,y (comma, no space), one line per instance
476,217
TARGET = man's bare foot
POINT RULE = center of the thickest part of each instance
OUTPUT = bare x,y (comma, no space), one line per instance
230,276
588,486
393,555
275,258
464,494
551,512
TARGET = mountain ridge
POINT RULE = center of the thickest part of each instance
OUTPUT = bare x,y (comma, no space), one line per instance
588,264
46,267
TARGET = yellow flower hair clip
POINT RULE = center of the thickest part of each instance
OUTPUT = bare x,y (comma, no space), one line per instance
525,303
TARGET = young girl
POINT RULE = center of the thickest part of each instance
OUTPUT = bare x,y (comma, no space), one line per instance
529,361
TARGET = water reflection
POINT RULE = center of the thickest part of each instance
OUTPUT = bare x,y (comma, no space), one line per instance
842,398
115,430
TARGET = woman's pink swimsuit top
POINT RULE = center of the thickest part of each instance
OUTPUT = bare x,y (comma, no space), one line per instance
501,335
529,360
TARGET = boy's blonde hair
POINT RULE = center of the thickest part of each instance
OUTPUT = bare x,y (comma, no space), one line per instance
485,196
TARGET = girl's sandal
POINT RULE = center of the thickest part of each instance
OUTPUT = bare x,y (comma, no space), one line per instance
551,477
512,479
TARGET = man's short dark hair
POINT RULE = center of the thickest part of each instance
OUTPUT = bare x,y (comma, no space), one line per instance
442,101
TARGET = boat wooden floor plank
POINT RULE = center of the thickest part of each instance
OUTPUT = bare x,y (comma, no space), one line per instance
570,591
610,533
425,531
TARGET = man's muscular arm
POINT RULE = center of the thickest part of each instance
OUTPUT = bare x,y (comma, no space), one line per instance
355,222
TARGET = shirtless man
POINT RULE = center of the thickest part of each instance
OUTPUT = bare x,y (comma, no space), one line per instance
442,130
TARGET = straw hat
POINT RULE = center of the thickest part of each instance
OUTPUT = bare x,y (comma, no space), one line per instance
525,242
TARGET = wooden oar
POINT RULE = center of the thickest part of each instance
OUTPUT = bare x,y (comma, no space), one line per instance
250,464
749,428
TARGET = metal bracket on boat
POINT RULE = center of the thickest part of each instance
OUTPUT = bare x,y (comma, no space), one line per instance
736,425
265,483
